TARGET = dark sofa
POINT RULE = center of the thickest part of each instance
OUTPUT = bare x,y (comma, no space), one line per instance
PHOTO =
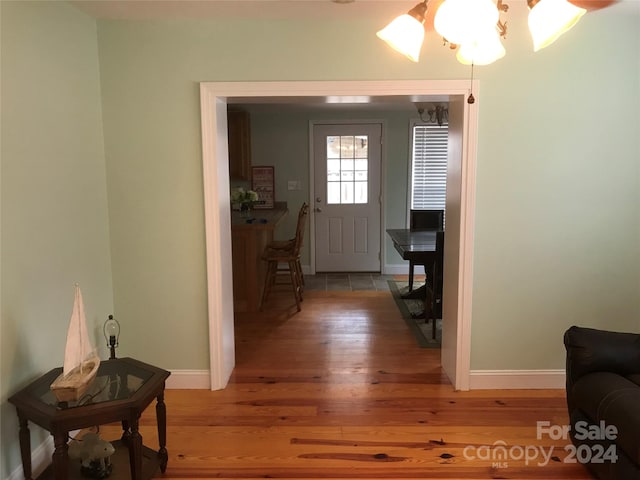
603,397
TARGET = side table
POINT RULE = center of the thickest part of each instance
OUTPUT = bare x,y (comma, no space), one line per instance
122,390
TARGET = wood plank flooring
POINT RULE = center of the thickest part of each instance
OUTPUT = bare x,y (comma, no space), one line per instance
341,391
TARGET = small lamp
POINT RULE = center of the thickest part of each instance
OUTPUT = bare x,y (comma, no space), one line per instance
111,330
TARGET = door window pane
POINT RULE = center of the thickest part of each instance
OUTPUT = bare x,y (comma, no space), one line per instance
361,144
361,192
333,192
347,169
333,170
347,192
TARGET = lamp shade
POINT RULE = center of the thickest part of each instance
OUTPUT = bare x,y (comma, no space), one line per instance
483,51
548,19
464,21
404,34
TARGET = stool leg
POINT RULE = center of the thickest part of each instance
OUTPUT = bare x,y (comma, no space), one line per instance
300,273
300,277
294,283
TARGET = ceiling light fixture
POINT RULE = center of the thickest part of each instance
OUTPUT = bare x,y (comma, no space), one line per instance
548,19
406,32
436,114
464,21
475,27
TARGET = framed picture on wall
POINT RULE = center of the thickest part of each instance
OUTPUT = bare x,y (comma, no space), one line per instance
263,183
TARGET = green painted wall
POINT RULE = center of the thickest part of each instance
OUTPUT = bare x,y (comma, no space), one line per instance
54,200
558,193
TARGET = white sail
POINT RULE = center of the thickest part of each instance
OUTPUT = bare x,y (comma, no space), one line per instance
81,362
79,348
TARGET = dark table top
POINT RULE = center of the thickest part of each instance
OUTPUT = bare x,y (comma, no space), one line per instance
413,240
123,383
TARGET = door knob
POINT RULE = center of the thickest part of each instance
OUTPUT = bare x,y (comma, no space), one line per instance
317,209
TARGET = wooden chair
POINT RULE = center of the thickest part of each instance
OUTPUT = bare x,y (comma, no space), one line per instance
424,220
284,256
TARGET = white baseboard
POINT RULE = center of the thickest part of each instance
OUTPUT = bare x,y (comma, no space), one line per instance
402,269
516,379
189,380
40,459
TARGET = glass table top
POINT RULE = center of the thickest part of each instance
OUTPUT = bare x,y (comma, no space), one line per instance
116,380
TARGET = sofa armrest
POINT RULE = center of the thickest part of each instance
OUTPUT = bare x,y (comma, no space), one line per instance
590,350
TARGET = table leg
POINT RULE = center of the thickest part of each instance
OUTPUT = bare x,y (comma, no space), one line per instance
60,458
25,446
135,451
126,433
161,420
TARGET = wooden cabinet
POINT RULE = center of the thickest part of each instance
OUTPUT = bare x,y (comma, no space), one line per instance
248,242
239,145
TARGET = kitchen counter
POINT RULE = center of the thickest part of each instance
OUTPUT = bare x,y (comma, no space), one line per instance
259,219
249,237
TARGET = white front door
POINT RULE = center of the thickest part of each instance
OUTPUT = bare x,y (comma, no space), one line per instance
347,197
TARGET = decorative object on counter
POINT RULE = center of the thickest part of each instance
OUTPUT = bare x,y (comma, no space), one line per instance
262,181
245,198
94,455
111,331
81,361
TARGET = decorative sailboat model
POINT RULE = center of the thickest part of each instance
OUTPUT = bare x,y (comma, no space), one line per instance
80,359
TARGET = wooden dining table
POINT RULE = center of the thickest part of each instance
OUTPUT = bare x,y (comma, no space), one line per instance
418,246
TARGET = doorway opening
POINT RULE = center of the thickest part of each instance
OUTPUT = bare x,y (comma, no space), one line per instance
215,96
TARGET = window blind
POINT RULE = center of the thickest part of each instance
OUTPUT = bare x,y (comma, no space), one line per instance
429,167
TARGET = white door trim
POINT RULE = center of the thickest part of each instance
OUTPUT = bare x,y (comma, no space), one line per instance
213,100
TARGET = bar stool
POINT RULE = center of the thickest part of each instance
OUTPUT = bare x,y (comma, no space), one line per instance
284,256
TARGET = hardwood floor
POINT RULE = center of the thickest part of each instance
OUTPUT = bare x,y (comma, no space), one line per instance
341,390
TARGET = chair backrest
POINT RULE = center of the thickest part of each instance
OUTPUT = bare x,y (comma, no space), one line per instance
300,227
426,219
439,263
